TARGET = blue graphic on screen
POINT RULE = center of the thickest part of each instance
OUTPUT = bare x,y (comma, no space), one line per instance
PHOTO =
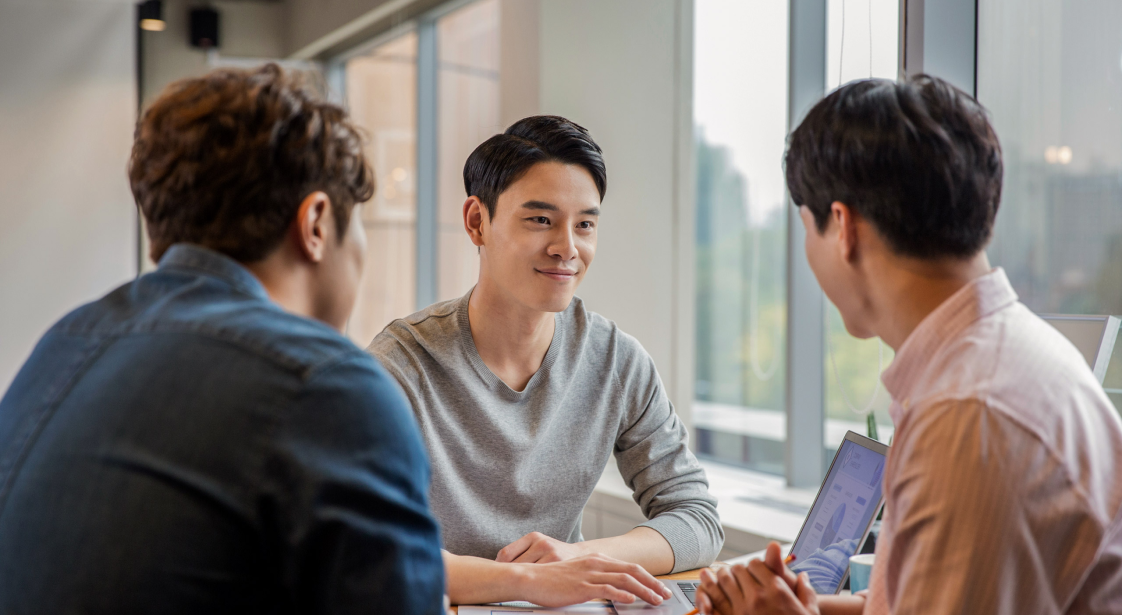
836,524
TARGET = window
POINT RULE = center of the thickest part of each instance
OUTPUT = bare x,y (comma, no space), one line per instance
468,101
426,95
1050,73
862,42
741,107
741,126
381,88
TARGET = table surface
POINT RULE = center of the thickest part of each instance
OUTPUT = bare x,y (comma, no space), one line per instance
689,575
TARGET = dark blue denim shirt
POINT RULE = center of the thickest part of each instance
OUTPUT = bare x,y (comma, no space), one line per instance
183,445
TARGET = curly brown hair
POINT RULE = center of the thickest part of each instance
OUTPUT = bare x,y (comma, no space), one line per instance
224,160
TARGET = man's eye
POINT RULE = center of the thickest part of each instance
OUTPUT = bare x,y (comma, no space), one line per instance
586,225
540,219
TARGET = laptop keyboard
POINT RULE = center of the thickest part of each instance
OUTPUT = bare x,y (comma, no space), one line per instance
689,588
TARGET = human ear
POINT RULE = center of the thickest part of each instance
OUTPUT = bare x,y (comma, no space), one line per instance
473,219
311,227
846,223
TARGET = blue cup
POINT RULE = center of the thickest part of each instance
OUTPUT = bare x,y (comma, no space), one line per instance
860,568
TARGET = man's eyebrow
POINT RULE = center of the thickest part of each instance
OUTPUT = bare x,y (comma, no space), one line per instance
540,205
543,206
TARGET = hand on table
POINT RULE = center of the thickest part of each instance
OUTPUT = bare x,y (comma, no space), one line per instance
589,577
537,548
761,586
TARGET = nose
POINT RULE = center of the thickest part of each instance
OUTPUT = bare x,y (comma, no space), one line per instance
563,245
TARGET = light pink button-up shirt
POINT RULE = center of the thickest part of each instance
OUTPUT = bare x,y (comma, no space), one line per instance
1004,482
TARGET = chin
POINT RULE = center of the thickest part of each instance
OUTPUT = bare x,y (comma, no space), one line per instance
856,330
552,301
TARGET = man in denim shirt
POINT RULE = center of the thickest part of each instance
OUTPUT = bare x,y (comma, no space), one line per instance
204,440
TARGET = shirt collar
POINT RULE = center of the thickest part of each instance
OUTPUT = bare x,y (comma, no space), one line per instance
978,299
209,262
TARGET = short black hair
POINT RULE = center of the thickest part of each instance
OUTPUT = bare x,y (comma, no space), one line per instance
918,159
501,160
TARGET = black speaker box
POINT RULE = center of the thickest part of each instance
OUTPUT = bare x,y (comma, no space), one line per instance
204,28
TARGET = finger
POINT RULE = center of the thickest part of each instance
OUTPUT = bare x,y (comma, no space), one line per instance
765,580
628,583
640,574
701,601
805,593
715,596
774,560
610,592
538,552
710,588
515,549
726,578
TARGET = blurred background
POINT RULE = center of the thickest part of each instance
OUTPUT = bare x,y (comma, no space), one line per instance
691,101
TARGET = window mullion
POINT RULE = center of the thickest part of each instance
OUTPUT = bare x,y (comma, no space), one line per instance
806,316
427,79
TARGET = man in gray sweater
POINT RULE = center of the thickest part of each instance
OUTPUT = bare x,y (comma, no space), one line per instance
522,394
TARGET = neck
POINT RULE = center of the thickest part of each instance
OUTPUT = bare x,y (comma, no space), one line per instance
910,289
512,339
288,284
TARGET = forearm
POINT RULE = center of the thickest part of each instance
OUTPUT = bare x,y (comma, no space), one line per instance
841,605
642,545
474,580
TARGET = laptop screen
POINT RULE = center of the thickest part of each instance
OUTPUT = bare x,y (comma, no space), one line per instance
842,513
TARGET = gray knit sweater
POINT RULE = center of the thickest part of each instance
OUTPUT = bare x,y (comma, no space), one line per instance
506,463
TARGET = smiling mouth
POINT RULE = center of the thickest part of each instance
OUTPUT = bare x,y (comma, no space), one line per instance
559,275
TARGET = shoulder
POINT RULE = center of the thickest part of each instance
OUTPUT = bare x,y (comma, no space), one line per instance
170,309
353,389
403,344
609,349
1020,365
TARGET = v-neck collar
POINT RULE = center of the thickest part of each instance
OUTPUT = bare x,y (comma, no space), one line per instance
494,382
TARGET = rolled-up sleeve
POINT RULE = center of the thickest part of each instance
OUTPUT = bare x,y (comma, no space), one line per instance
667,482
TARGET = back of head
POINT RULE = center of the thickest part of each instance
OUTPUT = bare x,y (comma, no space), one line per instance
225,160
918,160
501,160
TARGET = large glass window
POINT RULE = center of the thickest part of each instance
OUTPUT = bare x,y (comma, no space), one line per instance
468,103
1050,73
381,93
862,42
740,107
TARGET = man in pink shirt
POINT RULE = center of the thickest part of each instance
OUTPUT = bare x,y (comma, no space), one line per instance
1004,483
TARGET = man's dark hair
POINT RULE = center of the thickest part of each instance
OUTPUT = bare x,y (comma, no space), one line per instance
225,160
918,160
501,160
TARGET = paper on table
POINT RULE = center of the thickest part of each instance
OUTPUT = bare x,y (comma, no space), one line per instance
586,608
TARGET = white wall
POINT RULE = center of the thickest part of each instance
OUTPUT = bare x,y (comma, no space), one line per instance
246,30
622,69
67,109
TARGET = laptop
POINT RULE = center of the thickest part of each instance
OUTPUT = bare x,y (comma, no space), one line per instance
844,510
847,503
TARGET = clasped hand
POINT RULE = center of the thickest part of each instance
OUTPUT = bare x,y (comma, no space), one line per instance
560,573
759,587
